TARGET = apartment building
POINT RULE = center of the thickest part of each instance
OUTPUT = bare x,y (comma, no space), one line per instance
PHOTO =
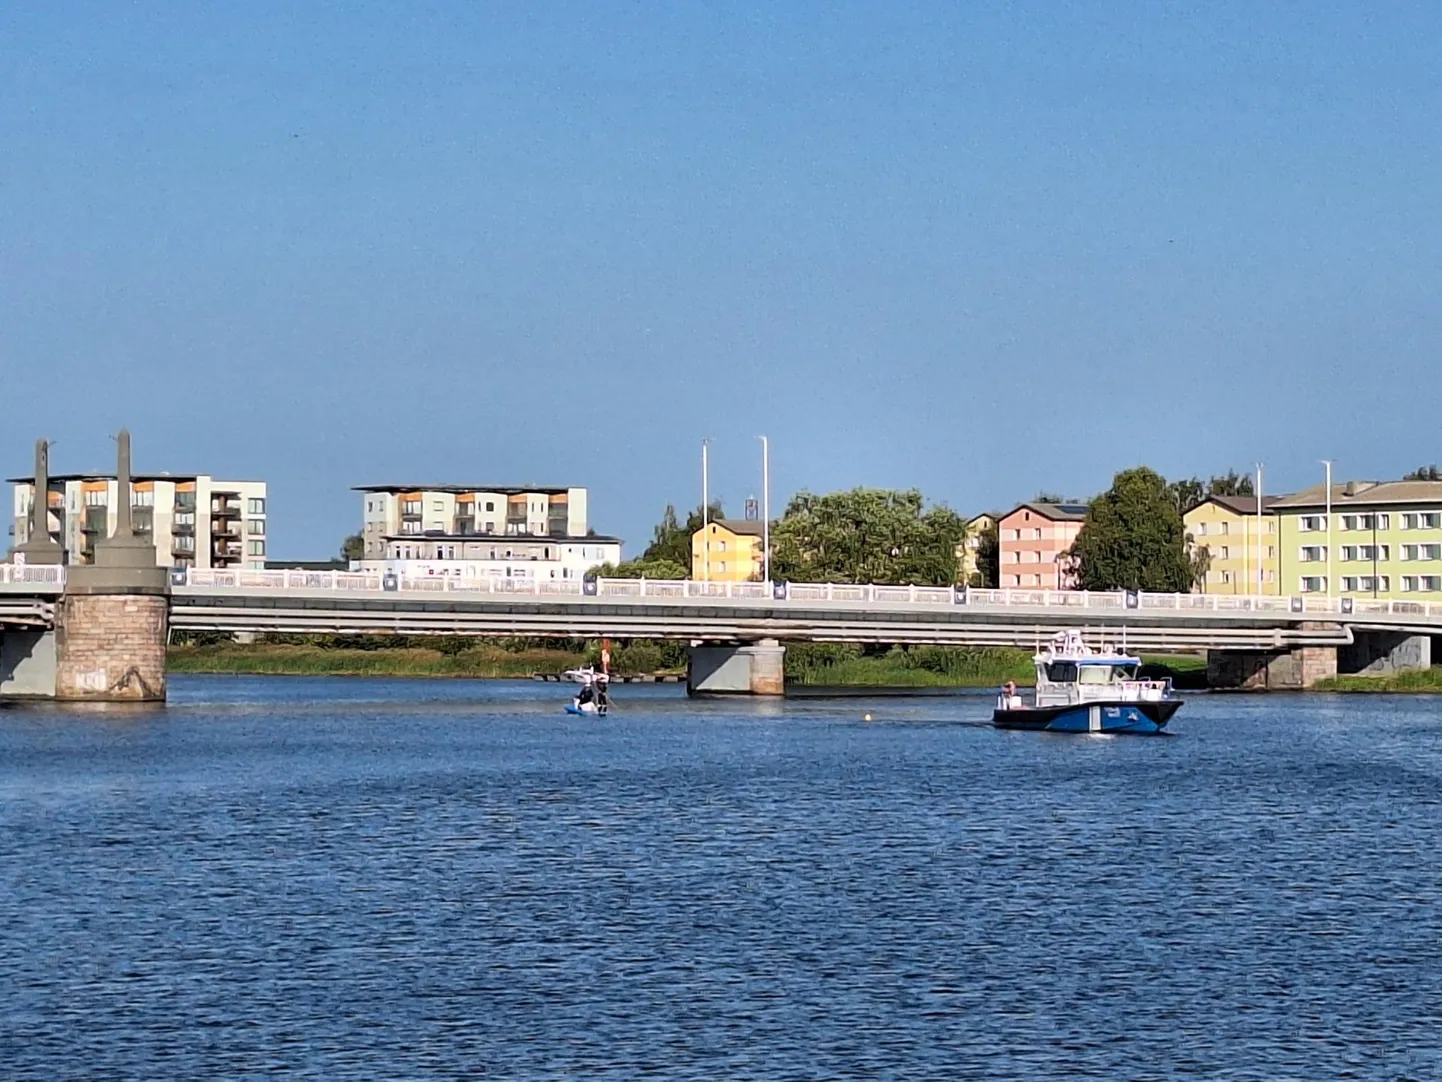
966,552
1032,542
194,520
729,550
471,531
1235,538
1383,540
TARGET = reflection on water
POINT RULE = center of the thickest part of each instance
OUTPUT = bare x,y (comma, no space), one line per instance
366,878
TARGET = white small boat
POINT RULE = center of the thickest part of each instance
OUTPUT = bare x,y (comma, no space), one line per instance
1080,690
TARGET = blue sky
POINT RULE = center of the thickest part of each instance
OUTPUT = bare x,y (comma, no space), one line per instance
980,249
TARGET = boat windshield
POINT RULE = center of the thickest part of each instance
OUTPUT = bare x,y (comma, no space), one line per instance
1106,674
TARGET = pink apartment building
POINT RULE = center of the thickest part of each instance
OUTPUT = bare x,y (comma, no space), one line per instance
1031,541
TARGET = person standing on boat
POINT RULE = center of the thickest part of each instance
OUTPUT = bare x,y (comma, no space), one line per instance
603,692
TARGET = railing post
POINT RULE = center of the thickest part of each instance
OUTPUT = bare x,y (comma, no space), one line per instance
912,595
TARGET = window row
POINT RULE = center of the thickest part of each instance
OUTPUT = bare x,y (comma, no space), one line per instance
1223,529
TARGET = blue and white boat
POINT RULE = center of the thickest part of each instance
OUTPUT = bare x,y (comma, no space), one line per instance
1079,690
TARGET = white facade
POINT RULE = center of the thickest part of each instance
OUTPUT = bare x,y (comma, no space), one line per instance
398,511
555,559
194,521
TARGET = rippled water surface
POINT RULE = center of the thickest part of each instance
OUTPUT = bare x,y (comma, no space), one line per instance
388,879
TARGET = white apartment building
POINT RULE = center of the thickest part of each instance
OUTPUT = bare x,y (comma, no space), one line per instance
480,531
193,519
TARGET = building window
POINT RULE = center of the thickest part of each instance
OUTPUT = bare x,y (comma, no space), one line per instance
1036,534
1226,578
96,498
255,527
143,499
1223,529
1201,529
1226,550
255,505
410,527
437,505
1313,584
255,548
1311,523
490,505
1313,553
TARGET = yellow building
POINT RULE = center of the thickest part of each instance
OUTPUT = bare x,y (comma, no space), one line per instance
729,550
1228,528
966,565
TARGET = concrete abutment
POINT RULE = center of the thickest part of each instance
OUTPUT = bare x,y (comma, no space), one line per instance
753,669
1371,653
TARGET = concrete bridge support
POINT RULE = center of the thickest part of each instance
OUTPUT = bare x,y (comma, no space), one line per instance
1290,670
1372,653
756,669
113,621
27,664
1380,653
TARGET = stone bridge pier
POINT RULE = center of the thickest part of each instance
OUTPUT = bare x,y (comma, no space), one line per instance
1372,653
750,669
112,622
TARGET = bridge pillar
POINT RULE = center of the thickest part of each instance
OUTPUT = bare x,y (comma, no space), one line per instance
113,620
1296,669
27,664
756,669
1379,653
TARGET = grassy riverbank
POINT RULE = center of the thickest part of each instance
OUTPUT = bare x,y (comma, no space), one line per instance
1419,680
807,664
824,665
291,660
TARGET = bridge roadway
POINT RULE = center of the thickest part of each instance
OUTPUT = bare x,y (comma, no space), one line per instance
304,602
737,612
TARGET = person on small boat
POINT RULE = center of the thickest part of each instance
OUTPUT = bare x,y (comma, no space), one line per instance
587,693
1010,700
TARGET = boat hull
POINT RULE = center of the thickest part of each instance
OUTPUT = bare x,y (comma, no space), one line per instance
1133,717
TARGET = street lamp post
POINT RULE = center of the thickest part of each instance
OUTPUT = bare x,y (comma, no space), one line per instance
1328,463
765,509
1260,579
705,511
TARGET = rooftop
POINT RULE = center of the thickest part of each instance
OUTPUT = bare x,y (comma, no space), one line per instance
102,476
1056,512
743,527
1365,494
1243,505
509,538
506,490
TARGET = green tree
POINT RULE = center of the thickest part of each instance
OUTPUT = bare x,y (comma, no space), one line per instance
1233,484
1189,492
353,547
1133,538
867,535
671,540
988,559
1424,473
643,568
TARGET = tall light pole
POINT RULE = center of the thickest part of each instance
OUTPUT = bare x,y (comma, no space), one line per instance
705,511
765,509
1328,463
1260,590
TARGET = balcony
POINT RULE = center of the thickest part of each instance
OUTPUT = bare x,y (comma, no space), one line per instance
225,509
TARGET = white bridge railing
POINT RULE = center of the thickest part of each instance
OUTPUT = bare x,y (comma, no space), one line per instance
1295,606
687,589
32,574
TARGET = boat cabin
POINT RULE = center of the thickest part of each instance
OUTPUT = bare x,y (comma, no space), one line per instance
1069,671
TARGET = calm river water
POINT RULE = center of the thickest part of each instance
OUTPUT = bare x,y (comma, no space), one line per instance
370,879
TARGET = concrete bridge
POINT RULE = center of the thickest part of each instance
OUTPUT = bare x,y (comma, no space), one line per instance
736,629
